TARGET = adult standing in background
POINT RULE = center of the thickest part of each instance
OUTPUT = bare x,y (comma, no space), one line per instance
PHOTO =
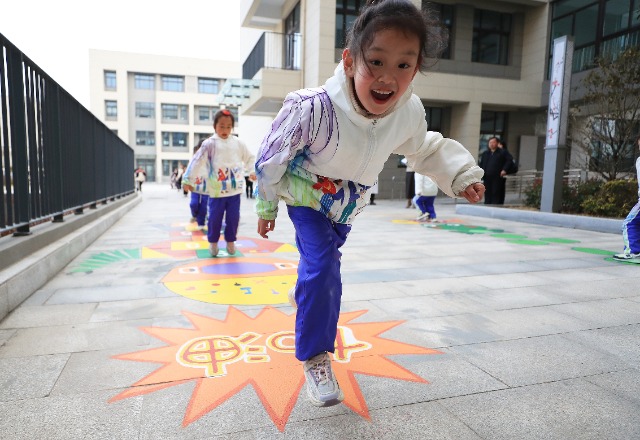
495,162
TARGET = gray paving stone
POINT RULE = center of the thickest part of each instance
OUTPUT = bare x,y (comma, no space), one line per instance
29,377
621,342
423,420
75,338
93,371
603,313
103,294
43,316
622,383
5,335
573,409
539,359
83,416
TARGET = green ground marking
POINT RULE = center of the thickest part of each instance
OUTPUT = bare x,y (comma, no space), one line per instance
559,240
528,242
593,251
103,259
509,236
623,261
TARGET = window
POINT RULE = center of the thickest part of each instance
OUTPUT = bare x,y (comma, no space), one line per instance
109,80
599,27
174,139
204,114
175,112
201,136
145,110
142,81
346,13
491,34
433,116
491,124
446,14
234,112
292,47
111,110
208,85
173,83
146,138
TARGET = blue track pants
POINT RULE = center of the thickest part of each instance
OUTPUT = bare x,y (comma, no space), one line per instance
631,230
319,285
219,207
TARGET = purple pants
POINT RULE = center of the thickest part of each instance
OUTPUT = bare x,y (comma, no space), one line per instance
319,285
218,208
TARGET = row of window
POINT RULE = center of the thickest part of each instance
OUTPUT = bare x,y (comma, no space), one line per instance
168,83
599,28
491,29
176,139
170,112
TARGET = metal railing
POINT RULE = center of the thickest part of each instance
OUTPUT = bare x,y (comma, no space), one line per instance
274,51
56,157
517,183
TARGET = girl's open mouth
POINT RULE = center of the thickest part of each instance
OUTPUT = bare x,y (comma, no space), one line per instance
381,96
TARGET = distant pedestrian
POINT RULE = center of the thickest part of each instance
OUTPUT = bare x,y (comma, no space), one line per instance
495,162
140,176
426,192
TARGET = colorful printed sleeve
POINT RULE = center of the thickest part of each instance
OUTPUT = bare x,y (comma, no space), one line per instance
199,169
276,152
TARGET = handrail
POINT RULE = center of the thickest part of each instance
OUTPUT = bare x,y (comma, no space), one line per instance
56,157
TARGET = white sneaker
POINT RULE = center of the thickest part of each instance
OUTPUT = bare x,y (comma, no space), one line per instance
292,297
627,257
322,386
423,217
213,249
231,248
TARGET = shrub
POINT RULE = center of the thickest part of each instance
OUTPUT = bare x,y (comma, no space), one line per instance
614,199
573,196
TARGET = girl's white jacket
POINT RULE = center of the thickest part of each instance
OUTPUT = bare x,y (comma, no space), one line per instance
425,186
319,134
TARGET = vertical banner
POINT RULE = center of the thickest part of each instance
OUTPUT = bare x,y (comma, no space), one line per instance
555,148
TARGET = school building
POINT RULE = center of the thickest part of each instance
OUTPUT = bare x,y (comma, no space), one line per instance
162,106
492,80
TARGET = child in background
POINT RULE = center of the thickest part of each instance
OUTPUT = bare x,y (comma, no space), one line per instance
217,169
325,150
426,192
631,226
199,202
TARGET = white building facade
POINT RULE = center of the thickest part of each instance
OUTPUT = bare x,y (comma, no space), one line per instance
163,106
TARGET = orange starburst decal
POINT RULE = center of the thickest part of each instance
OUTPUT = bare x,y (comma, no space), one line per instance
224,356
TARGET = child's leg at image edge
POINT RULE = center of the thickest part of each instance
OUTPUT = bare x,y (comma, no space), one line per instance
319,285
631,231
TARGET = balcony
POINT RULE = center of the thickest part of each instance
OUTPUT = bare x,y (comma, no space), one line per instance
276,62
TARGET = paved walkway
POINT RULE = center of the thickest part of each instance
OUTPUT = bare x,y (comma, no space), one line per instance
472,328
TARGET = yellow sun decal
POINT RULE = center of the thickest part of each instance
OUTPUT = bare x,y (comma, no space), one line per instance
242,281
224,356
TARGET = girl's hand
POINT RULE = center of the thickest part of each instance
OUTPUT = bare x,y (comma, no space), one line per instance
265,226
253,177
187,188
474,192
